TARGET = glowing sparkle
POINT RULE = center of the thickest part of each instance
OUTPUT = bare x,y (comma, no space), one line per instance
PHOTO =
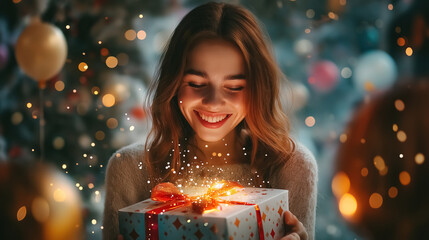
141,35
140,15
379,163
22,212
108,100
64,166
393,192
364,172
395,127
130,35
111,62
59,195
94,221
390,6
402,137
29,105
82,66
400,41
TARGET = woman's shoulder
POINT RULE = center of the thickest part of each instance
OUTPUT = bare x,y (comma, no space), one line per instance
128,158
301,161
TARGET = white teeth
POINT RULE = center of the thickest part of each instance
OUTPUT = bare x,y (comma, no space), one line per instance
211,119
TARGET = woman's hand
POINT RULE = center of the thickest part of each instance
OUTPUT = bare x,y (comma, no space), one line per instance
295,230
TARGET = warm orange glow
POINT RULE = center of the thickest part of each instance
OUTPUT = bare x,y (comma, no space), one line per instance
343,138
379,163
395,127
82,66
59,195
393,192
29,105
40,209
347,205
21,214
108,100
409,51
112,123
364,172
130,35
340,184
404,178
375,200
402,136
369,86
390,6
400,41
111,62
59,86
399,105
419,158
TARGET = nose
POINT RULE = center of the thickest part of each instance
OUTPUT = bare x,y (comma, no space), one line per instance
213,99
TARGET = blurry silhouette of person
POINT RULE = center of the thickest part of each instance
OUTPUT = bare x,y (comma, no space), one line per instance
382,174
37,201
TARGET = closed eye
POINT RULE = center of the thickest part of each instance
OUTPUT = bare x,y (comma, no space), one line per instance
236,88
194,85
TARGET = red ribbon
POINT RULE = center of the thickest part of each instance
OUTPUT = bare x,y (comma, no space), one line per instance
168,193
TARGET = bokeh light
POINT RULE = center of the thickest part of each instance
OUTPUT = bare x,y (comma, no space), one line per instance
404,178
21,214
399,105
340,184
347,205
59,195
402,136
130,35
111,62
379,163
112,123
310,121
419,158
141,34
409,51
16,118
59,86
393,192
364,172
40,209
83,66
108,100
375,200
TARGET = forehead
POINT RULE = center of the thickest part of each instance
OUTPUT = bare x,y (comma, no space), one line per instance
215,52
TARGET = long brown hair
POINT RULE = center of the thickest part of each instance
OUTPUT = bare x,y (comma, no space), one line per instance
265,122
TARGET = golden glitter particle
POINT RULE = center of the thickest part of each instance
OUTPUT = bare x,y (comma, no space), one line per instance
390,6
379,163
108,100
347,205
404,178
393,192
213,154
400,41
95,90
130,35
29,105
409,51
364,172
112,123
375,200
395,127
343,138
141,35
100,42
59,86
419,158
82,66
219,154
310,121
90,185
111,62
140,15
333,16
64,166
307,30
94,221
402,137
59,195
118,155
340,184
21,214
399,105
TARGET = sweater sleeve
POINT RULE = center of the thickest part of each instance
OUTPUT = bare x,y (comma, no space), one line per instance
299,176
126,184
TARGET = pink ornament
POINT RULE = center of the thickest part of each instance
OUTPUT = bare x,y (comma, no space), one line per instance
324,76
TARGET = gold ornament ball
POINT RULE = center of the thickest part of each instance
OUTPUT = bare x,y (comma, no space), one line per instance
41,50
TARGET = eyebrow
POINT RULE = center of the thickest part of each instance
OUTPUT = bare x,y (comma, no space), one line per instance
204,75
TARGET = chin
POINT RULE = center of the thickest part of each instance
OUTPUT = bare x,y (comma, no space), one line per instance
211,138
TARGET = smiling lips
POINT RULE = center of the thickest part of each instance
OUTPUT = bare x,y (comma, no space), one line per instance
212,120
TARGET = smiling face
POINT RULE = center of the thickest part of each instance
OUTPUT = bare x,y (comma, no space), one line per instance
212,93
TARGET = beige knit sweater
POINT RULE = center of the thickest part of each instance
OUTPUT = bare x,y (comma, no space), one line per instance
127,183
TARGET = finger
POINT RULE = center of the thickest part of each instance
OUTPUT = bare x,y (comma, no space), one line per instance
290,219
292,236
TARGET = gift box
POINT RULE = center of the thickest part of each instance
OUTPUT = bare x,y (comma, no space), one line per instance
252,213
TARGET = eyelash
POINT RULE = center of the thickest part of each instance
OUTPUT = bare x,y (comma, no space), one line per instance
235,89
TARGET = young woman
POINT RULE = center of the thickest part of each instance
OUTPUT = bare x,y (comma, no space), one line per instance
216,116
